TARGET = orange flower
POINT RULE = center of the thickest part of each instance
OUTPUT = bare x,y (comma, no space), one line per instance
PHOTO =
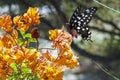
14,34
53,34
5,56
67,58
5,69
6,23
8,41
52,73
32,16
73,62
49,71
1,44
20,23
60,38
19,56
25,54
33,64
28,19
62,41
48,56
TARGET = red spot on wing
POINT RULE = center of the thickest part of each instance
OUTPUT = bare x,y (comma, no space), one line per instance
74,33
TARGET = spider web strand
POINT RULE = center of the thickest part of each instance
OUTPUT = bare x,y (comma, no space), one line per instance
107,6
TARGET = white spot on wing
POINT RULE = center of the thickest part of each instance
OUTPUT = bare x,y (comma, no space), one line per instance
86,28
73,24
75,13
75,20
86,15
87,10
78,18
78,27
77,10
84,23
83,29
78,30
89,33
84,18
83,14
90,15
79,23
87,20
81,20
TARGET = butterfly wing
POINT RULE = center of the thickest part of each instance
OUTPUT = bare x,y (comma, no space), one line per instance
73,19
85,17
79,21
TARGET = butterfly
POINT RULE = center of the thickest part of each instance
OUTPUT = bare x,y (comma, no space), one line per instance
79,20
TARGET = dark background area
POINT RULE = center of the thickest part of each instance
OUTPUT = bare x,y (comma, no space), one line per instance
105,28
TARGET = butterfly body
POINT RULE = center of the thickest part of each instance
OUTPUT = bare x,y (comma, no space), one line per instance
79,20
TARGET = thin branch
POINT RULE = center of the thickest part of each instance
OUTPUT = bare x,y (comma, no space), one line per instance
94,57
108,22
106,71
47,48
61,14
47,22
107,6
103,30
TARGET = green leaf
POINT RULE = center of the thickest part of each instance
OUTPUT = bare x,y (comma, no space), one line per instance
26,69
13,65
32,40
21,32
27,35
20,41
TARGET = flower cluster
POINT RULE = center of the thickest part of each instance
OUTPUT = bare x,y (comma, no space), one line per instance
10,50
62,40
28,19
13,50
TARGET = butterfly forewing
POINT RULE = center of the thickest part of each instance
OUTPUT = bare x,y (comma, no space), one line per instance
73,19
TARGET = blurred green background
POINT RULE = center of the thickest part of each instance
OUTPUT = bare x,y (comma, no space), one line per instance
105,28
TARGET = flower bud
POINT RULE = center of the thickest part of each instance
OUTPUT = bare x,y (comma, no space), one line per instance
35,33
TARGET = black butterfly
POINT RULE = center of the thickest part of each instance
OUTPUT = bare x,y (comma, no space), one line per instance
79,20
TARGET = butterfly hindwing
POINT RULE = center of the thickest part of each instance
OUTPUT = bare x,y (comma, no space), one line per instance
87,15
